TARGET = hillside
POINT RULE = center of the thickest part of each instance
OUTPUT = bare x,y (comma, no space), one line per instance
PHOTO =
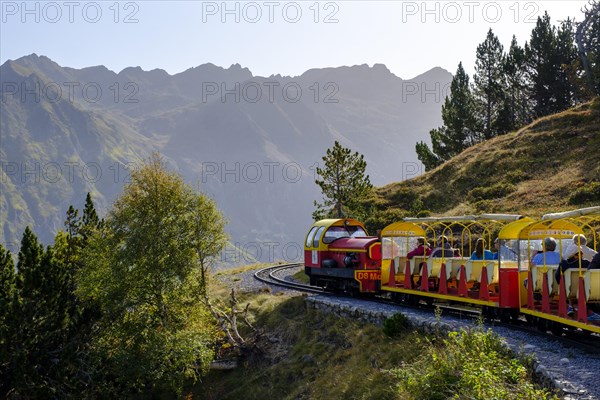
553,164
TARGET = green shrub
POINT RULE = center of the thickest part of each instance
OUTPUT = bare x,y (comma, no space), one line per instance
515,176
404,197
467,365
585,194
396,325
498,190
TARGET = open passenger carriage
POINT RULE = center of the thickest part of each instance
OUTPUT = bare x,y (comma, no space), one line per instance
570,299
489,282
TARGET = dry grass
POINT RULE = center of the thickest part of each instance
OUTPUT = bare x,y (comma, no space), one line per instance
532,171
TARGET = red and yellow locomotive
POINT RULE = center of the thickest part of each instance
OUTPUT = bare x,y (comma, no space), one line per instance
339,255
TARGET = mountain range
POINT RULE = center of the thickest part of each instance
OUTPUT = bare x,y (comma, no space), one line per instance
252,143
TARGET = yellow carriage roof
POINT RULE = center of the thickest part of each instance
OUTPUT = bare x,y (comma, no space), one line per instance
338,222
408,229
528,228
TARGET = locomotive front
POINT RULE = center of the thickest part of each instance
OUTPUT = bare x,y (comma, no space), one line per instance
339,255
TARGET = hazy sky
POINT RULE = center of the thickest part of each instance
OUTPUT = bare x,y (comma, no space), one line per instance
268,37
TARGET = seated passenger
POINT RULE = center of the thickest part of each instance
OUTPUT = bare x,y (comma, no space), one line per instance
420,250
572,262
480,252
595,264
505,252
443,249
579,242
548,255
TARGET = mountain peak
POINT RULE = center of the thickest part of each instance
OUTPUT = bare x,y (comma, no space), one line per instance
436,74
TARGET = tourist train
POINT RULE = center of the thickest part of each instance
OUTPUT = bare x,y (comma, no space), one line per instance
505,265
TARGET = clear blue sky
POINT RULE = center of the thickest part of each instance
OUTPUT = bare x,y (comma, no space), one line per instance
269,37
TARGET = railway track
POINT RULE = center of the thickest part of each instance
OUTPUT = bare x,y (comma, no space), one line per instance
586,342
268,275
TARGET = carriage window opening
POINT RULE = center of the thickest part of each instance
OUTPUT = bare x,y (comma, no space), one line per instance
310,236
318,236
397,247
336,232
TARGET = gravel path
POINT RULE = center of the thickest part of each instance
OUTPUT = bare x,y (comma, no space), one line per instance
577,374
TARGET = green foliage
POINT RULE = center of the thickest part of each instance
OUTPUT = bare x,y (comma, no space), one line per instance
588,193
379,219
316,355
549,55
90,220
7,303
546,76
38,360
459,130
489,81
146,270
396,325
343,183
467,364
424,153
497,190
516,102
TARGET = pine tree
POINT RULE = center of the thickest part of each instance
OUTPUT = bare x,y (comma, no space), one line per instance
90,217
7,285
30,255
343,183
541,66
516,101
460,127
566,66
8,302
588,46
488,78
427,156
42,321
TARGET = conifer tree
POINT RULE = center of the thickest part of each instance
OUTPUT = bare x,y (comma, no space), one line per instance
488,78
566,65
516,100
343,183
460,127
588,46
90,217
7,285
8,302
541,66
41,322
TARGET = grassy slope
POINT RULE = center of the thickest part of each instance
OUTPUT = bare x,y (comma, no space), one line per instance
551,165
312,355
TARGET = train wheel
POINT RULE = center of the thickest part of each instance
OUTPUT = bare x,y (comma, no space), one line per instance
488,312
429,301
412,300
313,281
505,315
556,328
530,319
542,325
